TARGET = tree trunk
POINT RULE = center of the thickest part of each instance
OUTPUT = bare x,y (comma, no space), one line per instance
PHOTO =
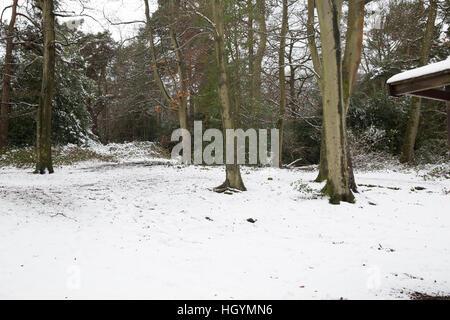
292,69
6,87
183,94
448,127
350,66
251,52
323,165
156,74
447,88
311,32
338,184
233,174
351,63
407,155
44,115
236,80
180,101
416,103
282,78
257,68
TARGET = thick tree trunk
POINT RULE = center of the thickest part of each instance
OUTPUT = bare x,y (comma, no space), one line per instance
416,103
323,165
338,183
44,116
350,65
282,78
353,185
6,87
233,174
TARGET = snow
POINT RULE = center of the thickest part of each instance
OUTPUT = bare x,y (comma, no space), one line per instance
137,230
422,71
128,152
93,13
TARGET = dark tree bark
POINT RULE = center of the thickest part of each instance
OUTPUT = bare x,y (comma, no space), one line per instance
282,77
44,115
180,101
257,68
448,122
181,67
6,87
233,174
448,126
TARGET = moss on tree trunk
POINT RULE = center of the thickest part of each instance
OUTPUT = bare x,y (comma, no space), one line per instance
233,174
44,114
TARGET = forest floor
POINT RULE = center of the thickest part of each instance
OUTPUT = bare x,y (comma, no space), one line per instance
147,228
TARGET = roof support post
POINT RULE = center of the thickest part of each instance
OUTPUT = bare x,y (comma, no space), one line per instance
447,88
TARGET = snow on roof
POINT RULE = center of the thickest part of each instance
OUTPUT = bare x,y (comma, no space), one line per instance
422,71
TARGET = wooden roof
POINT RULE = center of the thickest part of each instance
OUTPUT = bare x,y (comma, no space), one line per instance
425,82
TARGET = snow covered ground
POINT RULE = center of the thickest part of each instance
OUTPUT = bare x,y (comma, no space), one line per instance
140,229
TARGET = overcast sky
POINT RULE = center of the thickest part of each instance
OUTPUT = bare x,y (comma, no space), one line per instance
115,10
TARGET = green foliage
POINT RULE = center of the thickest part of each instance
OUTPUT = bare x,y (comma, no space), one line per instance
302,187
207,100
75,154
302,141
20,158
70,118
377,122
26,157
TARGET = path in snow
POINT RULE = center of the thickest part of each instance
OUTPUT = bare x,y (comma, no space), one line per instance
136,231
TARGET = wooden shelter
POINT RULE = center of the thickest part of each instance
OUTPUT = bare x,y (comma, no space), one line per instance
430,82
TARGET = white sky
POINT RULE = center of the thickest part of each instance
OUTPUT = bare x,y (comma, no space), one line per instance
115,10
